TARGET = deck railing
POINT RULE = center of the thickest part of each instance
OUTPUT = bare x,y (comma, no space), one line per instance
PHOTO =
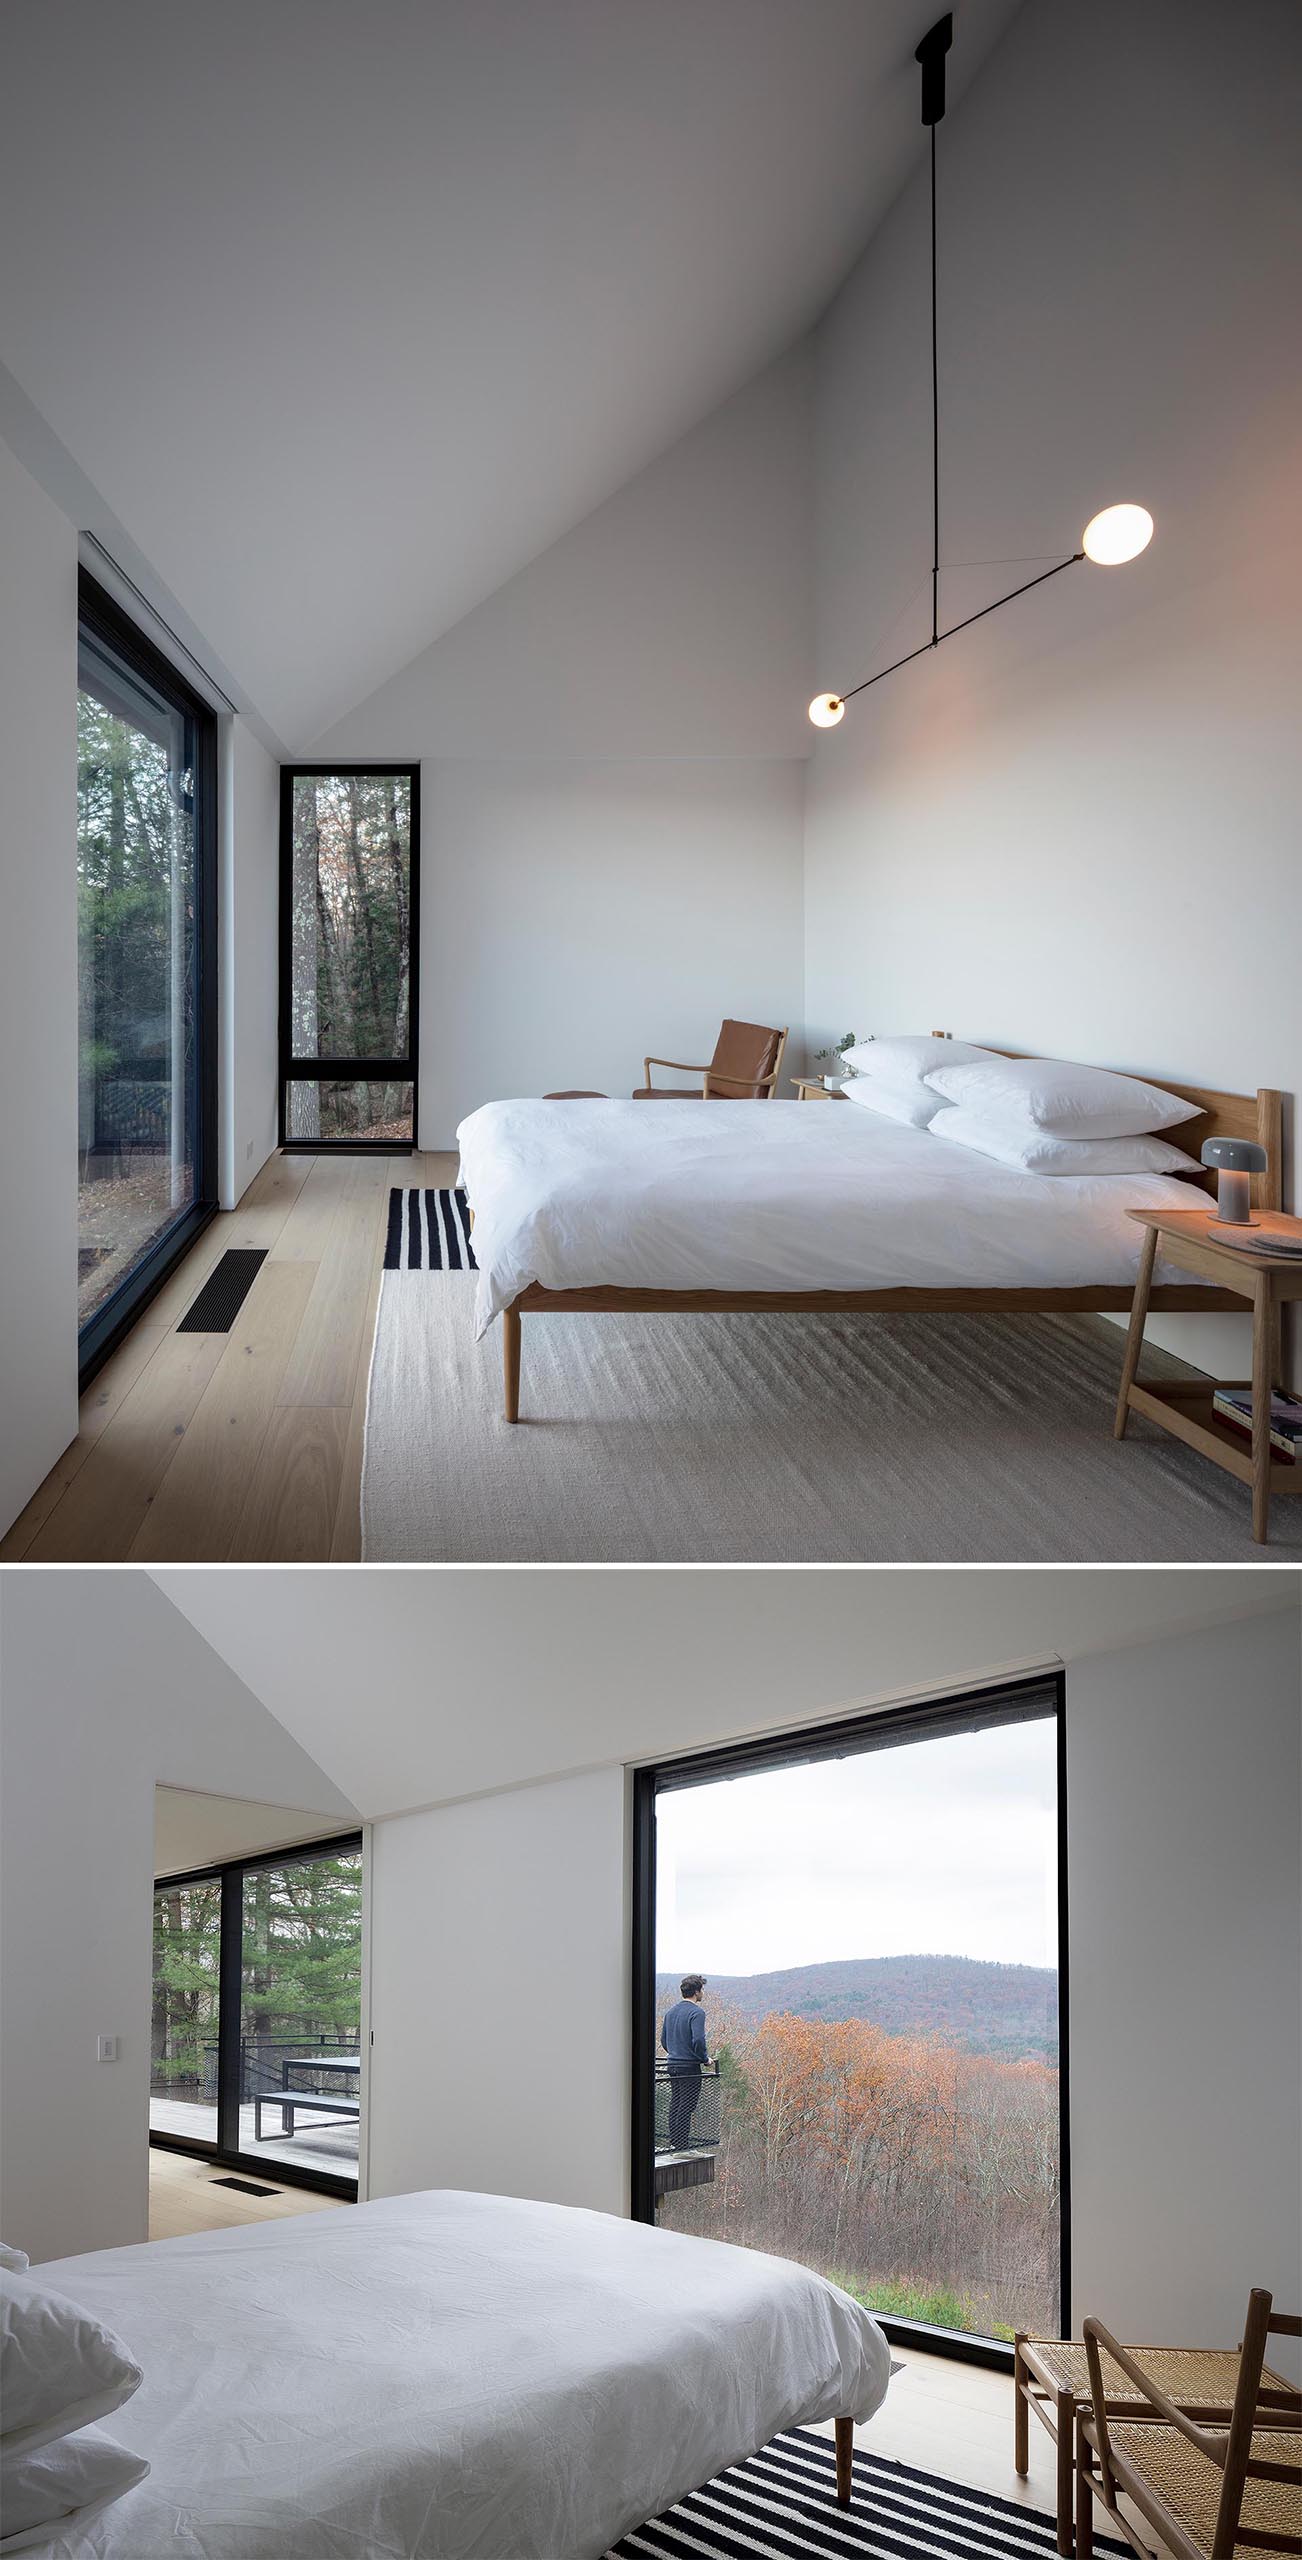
703,2131
261,2062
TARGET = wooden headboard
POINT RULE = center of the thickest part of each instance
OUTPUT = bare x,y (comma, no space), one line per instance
1258,1116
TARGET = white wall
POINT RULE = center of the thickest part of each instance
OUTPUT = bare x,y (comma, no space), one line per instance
250,942
1071,829
611,751
576,915
499,1996
38,984
107,1692
38,973
1185,1975
1183,1786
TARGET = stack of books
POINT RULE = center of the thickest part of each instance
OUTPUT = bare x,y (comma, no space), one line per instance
1234,1405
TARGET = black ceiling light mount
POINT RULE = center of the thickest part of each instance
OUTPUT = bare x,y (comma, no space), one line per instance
1118,533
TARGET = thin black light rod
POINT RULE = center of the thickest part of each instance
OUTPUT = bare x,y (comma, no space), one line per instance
935,418
964,625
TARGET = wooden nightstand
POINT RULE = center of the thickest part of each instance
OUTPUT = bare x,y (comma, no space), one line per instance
813,1089
1190,1238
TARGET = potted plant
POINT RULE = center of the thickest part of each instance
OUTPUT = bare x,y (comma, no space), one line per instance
837,1070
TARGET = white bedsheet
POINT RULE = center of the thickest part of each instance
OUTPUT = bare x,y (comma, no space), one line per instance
450,2377
779,1195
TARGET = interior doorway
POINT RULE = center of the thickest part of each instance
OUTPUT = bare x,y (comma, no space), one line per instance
258,2057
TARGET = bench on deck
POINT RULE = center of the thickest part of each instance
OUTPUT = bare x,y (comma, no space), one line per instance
325,2110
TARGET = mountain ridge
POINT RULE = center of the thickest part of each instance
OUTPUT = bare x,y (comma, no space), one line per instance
1008,2011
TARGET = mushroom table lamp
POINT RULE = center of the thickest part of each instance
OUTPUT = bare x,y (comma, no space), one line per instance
1234,1161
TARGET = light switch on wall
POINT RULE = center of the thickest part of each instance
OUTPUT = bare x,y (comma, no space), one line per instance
106,2049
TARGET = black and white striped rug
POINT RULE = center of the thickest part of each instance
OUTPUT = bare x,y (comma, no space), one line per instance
429,1231
781,2505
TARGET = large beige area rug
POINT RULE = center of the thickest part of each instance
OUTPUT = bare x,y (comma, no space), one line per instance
776,1439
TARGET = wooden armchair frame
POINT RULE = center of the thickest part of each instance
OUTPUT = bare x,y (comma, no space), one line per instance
762,1087
1229,2448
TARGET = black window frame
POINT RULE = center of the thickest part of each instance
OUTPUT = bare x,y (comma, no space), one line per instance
295,1070
230,1873
102,618
1038,1699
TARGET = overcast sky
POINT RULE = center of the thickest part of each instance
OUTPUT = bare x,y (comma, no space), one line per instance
934,1848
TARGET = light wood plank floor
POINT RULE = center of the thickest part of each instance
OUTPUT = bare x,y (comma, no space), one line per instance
202,1448
183,2198
957,2419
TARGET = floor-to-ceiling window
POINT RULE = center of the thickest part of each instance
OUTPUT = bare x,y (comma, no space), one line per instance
875,1912
257,2013
349,955
147,945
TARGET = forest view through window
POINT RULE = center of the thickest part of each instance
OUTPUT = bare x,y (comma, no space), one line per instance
349,864
878,1936
145,857
273,2077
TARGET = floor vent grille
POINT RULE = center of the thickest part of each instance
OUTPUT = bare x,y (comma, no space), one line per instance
224,1292
245,2185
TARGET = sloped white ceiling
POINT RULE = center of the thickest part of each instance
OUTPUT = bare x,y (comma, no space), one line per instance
193,1830
409,1687
349,308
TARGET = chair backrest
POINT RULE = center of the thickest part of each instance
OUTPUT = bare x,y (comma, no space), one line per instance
1236,2455
746,1050
1232,2450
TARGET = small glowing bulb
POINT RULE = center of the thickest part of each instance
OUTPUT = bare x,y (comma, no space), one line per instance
826,709
1119,533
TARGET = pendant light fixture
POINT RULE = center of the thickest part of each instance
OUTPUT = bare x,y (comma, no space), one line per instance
1118,533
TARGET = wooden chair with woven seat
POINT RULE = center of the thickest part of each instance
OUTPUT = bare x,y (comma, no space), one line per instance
746,1065
1051,2376
1210,2492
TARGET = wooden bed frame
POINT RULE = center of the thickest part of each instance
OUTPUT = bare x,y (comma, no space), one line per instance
1257,1116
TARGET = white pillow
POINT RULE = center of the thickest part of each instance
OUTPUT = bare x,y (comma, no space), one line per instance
905,1062
16,2259
1072,1102
1032,1150
65,2485
58,2368
917,1107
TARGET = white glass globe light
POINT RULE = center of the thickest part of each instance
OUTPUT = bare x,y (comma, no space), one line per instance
826,709
1117,534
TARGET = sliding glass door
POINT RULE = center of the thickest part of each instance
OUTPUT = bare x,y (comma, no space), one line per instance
300,2013
869,2079
257,2014
187,2009
147,938
349,955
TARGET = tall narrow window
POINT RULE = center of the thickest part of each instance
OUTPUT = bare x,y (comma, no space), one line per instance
349,955
257,2014
867,2079
146,879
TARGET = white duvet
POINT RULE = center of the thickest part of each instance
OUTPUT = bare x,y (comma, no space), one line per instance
450,2377
784,1196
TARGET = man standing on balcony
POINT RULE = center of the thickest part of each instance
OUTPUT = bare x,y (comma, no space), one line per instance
683,2038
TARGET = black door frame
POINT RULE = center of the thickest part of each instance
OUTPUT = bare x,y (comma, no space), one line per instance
230,1873
1013,1702
104,620
294,1070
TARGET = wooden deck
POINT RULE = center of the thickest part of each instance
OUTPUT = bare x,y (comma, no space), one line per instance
247,1446
328,2147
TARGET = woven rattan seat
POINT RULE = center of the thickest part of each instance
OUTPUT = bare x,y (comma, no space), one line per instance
1189,2483
1203,2376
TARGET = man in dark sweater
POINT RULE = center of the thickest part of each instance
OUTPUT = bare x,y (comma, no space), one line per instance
683,2038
